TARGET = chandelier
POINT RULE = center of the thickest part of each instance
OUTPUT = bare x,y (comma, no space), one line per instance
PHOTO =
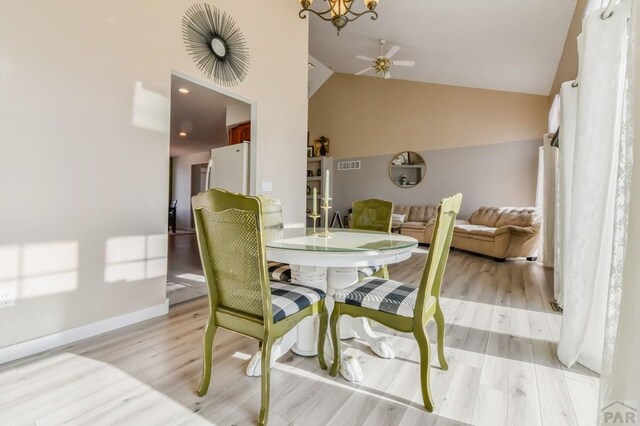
339,11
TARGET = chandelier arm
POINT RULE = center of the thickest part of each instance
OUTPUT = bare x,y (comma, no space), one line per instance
374,15
332,14
318,14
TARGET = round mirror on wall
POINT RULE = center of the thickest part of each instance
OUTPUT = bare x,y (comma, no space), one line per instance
407,169
219,47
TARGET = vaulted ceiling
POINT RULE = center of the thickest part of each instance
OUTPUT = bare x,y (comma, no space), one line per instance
493,44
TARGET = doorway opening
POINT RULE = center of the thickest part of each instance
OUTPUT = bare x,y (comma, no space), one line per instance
205,124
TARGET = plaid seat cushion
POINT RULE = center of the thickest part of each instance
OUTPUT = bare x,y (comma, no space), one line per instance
287,299
382,295
279,272
367,271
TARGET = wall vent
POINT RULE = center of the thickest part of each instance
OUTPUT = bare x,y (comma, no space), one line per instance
349,165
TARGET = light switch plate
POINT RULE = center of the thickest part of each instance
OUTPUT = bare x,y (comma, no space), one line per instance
7,297
267,186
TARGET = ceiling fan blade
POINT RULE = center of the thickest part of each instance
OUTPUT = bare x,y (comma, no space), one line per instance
391,53
404,63
364,70
364,58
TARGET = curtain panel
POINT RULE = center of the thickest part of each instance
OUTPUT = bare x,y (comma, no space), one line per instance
588,250
621,360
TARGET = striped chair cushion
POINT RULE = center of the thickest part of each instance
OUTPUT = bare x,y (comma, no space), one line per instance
279,272
287,299
367,271
381,295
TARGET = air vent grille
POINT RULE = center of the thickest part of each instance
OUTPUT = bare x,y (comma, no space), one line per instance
349,165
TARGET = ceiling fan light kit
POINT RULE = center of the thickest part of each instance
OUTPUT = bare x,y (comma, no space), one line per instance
382,64
339,12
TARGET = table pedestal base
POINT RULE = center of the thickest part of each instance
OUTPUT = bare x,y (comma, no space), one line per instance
302,340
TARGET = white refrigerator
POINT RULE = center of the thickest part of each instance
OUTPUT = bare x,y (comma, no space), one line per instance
229,168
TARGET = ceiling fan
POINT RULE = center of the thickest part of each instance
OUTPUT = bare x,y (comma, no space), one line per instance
382,63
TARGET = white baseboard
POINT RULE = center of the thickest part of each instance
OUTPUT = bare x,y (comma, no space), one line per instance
66,337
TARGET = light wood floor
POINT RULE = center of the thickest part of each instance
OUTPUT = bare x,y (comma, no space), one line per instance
501,345
184,273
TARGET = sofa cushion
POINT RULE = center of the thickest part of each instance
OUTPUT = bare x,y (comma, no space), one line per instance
475,229
415,225
421,213
486,216
518,216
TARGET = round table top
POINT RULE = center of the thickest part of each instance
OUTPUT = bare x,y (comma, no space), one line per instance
344,248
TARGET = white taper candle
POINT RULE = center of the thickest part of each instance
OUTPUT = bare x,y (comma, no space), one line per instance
326,186
315,201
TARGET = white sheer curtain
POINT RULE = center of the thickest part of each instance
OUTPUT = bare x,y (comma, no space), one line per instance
545,187
550,156
569,109
621,360
588,250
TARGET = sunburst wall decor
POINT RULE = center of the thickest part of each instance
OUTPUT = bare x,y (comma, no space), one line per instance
216,44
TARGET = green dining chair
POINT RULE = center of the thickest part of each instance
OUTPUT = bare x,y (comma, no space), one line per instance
274,230
372,215
241,297
403,307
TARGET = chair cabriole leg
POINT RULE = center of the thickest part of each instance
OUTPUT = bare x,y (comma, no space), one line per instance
439,317
267,345
425,364
207,346
322,334
335,339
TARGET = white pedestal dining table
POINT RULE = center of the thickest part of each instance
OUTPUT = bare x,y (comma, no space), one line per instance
331,263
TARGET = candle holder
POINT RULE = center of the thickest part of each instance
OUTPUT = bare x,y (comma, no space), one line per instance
325,207
314,216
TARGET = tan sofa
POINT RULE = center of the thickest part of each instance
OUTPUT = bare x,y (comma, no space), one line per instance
500,232
418,222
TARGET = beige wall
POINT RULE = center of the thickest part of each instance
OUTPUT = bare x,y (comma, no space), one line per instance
568,66
372,116
487,175
85,98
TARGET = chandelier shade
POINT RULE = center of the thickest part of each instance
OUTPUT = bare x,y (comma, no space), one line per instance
339,12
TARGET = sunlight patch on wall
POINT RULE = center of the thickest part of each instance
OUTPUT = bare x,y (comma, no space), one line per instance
135,258
151,110
38,269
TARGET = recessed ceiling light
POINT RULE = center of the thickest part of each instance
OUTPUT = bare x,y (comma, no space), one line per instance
183,90
183,134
